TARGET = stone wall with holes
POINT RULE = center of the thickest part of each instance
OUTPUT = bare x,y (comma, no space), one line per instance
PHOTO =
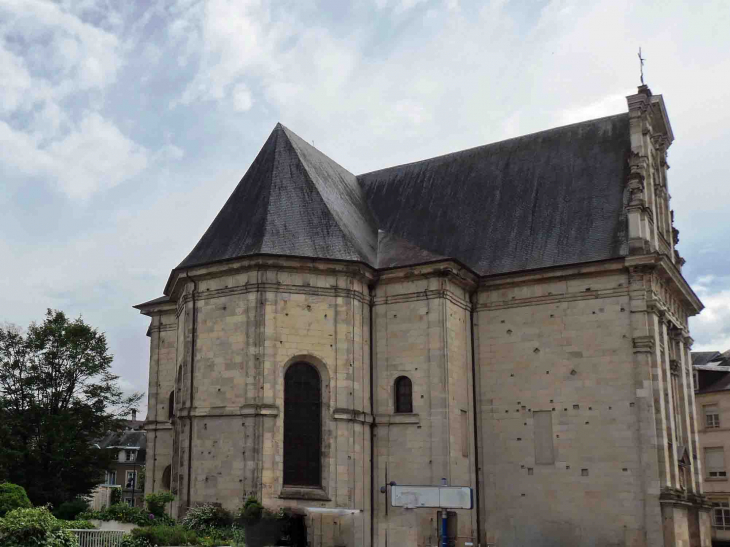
563,346
422,331
163,341
249,326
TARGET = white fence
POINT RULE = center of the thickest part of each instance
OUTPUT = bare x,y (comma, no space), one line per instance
99,538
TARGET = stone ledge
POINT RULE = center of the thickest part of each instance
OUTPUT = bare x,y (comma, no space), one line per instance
392,419
303,493
351,415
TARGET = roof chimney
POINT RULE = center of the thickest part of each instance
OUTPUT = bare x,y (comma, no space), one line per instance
134,415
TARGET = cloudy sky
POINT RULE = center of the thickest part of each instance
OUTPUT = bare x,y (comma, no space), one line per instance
124,126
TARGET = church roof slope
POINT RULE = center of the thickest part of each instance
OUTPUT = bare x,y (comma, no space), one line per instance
293,201
394,251
546,199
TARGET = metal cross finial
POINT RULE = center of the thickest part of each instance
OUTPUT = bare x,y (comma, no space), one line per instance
641,63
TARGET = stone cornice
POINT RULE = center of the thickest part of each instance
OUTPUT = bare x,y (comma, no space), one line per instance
663,266
554,299
572,271
178,278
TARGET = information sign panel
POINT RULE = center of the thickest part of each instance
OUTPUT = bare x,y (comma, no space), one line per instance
442,497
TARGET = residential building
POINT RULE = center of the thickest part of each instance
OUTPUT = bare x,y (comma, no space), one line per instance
510,318
712,394
124,474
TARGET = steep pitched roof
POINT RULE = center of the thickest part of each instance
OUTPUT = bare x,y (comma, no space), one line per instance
551,198
294,201
546,199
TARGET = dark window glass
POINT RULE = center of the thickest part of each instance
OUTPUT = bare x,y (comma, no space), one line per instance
403,394
166,475
171,406
302,426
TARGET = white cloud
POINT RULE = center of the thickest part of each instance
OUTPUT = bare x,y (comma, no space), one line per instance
62,58
94,156
712,326
242,99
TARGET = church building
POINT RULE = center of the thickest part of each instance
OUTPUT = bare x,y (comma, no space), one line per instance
510,318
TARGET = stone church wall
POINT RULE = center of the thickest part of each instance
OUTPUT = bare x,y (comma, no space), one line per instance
422,332
563,346
249,327
163,340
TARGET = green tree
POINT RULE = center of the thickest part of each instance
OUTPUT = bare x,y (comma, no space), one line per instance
57,398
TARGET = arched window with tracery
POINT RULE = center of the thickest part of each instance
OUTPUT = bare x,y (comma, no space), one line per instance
166,477
403,395
171,405
302,426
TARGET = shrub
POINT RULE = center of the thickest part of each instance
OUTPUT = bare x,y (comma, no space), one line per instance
12,496
23,527
69,510
124,513
262,526
76,525
252,510
116,496
166,535
156,502
130,541
203,517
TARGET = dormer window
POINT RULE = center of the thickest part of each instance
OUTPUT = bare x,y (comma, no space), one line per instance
129,455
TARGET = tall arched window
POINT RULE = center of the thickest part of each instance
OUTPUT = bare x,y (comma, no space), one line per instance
403,394
171,405
302,426
166,476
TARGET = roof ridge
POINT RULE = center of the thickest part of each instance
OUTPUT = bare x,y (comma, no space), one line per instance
301,148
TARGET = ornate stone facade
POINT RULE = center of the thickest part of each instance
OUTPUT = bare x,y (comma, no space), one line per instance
560,394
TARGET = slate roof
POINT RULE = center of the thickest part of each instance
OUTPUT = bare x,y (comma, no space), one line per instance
551,198
546,199
292,201
129,438
703,357
714,368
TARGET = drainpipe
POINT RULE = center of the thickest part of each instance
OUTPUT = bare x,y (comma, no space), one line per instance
474,300
192,386
371,293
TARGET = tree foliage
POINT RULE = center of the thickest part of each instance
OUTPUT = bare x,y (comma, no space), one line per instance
12,496
58,397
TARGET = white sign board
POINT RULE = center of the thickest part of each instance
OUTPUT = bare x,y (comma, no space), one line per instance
442,497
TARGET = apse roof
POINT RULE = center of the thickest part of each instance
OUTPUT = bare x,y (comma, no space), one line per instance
294,201
550,198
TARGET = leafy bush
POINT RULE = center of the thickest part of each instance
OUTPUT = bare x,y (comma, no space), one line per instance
69,510
76,525
203,517
23,527
166,535
12,496
252,510
156,502
215,537
262,526
133,515
116,496
130,541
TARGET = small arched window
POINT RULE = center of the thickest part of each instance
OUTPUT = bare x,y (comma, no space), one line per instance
166,477
302,426
171,405
403,395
